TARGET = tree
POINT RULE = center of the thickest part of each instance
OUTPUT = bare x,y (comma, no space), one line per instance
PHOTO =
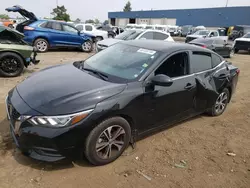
4,16
90,21
97,21
78,20
60,13
127,7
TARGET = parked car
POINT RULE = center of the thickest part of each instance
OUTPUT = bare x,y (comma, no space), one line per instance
98,106
140,26
239,31
242,43
130,26
215,44
202,34
161,28
173,30
110,29
15,54
45,34
186,30
152,27
8,23
134,35
90,29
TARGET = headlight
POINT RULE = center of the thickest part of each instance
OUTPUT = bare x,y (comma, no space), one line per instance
56,121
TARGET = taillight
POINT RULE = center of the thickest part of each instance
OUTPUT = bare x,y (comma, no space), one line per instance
203,46
28,28
238,71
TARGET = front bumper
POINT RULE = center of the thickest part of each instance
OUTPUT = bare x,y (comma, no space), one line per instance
42,143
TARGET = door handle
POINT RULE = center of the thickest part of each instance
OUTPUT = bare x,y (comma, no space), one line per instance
189,86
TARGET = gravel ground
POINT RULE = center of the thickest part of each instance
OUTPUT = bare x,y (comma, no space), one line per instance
192,154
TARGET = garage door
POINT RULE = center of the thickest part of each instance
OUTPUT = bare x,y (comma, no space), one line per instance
122,22
157,21
171,21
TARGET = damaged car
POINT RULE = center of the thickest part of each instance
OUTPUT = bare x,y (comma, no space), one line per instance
122,94
15,54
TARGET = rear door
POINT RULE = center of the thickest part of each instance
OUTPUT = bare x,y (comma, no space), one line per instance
55,33
220,47
71,35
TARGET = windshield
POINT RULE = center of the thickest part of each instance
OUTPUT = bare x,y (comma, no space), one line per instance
149,27
128,35
201,33
246,35
186,28
121,62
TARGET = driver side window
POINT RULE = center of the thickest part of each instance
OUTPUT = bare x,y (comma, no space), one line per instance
175,66
88,28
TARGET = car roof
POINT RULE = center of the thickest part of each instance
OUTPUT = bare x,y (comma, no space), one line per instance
163,46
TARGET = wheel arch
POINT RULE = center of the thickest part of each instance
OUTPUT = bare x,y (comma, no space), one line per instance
17,53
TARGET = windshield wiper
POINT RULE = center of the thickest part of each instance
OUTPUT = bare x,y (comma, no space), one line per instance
101,75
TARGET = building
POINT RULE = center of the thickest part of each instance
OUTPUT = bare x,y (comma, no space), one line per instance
209,17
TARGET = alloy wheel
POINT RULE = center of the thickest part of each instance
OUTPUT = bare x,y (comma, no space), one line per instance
10,65
110,142
221,103
86,46
41,46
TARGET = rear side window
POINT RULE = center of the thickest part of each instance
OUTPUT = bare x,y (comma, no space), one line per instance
160,36
44,25
148,35
216,60
57,26
200,61
49,25
88,28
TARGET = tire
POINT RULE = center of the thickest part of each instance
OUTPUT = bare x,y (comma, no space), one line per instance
87,46
11,64
42,45
97,136
214,110
236,50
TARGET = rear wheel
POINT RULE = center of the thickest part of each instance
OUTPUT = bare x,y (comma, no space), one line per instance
221,103
110,36
11,64
41,45
87,46
107,141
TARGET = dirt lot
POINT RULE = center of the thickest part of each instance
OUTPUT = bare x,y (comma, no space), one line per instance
203,144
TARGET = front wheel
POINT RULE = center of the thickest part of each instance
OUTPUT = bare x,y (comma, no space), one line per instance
221,103
107,141
236,50
87,46
11,64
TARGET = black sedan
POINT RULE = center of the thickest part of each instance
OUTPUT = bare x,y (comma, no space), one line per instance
98,106
218,45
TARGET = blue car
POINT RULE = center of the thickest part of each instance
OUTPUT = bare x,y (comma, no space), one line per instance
45,34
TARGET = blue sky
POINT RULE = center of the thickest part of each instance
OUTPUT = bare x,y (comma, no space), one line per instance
91,9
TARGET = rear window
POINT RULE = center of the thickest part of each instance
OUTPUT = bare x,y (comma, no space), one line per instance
200,61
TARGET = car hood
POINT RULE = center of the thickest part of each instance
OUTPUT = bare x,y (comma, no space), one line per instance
9,31
65,89
22,11
243,39
109,42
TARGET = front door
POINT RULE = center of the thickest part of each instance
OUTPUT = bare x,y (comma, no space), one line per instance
167,104
71,36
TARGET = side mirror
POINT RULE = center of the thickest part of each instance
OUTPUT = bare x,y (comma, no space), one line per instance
162,80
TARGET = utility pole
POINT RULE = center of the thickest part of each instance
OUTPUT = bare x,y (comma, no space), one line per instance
227,3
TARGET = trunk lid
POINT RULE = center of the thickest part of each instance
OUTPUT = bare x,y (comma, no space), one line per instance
22,11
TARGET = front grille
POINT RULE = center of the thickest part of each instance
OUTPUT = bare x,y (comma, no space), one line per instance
242,43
